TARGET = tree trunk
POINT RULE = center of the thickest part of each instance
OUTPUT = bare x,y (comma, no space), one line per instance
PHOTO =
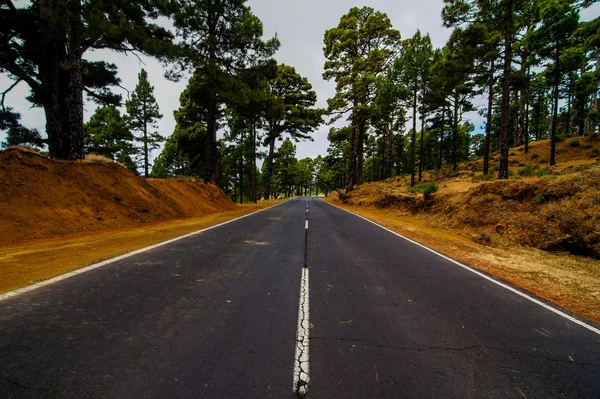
569,99
421,149
75,99
388,147
454,144
145,124
242,166
527,122
592,123
253,174
505,107
488,124
362,127
352,164
443,127
413,140
52,75
515,119
269,177
555,111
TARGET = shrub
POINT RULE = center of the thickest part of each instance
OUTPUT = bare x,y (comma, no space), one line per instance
489,176
527,171
587,146
426,188
489,198
542,171
595,152
574,143
535,156
539,199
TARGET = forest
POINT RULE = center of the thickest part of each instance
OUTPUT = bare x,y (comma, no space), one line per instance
399,106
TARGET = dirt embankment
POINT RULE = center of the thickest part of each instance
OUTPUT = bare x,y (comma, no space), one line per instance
553,209
42,198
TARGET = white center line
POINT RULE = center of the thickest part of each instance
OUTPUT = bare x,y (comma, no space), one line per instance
306,225
301,365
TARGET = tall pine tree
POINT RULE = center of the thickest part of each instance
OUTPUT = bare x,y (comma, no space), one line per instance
143,114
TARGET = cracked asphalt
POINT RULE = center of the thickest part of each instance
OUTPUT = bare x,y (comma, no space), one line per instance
216,316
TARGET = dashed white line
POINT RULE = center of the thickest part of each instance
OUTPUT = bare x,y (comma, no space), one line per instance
301,364
306,225
501,284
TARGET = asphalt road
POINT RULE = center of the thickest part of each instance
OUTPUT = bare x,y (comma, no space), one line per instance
216,315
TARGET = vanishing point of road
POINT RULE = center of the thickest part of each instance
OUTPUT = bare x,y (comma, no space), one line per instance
302,299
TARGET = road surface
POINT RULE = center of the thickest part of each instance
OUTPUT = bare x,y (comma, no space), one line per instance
300,297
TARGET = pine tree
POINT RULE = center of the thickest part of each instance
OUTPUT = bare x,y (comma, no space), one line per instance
358,51
220,38
143,114
411,71
44,45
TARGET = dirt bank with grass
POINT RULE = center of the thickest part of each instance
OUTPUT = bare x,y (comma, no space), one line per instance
540,229
57,216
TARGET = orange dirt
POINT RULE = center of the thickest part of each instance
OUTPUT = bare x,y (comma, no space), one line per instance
58,216
44,198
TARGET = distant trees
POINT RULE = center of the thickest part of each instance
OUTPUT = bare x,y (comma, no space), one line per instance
289,111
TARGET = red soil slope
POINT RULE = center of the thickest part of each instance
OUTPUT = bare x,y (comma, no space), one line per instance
44,198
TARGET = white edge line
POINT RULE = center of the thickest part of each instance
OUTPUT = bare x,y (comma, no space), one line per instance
19,291
501,284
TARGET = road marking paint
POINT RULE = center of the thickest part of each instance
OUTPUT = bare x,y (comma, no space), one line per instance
501,284
306,225
19,291
301,364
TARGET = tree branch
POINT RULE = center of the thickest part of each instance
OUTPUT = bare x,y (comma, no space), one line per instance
20,73
5,92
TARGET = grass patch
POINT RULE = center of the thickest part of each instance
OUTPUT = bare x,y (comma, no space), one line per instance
426,188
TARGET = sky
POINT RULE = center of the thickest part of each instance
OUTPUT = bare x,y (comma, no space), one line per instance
300,26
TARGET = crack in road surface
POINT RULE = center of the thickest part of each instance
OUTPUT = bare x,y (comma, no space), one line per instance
301,365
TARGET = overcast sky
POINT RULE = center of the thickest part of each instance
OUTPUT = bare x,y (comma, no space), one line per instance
300,26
